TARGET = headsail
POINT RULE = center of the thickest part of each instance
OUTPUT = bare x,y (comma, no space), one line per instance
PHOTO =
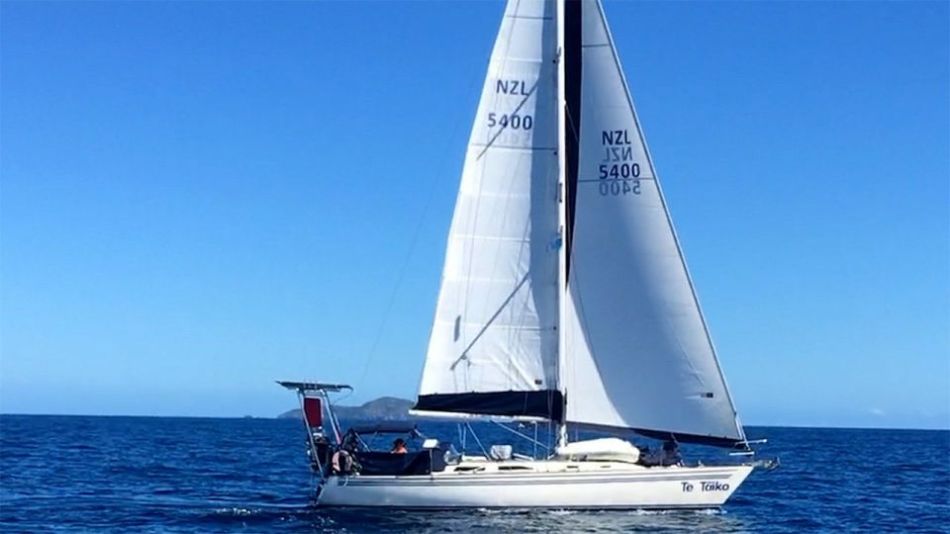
493,346
637,352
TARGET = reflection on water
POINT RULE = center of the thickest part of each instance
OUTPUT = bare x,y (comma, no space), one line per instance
531,521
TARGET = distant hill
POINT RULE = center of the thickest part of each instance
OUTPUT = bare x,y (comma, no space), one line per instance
383,408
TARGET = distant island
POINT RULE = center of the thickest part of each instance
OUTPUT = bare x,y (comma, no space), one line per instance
383,408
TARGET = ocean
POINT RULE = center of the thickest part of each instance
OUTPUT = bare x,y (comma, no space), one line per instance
158,474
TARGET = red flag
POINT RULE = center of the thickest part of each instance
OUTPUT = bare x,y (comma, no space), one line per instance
313,411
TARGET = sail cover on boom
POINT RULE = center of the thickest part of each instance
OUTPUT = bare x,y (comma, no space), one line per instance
637,352
493,346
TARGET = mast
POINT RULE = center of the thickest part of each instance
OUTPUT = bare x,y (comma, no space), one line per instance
570,59
562,216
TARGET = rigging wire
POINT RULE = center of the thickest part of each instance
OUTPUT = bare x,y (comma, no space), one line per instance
448,141
474,435
525,436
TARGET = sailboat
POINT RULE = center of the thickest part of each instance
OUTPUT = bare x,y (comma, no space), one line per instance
564,298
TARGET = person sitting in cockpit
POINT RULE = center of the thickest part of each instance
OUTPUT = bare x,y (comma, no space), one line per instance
399,447
671,454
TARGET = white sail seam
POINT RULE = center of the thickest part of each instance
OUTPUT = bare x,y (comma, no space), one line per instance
512,147
507,326
528,17
493,238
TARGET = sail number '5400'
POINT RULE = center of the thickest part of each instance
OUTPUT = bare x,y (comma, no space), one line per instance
513,121
618,173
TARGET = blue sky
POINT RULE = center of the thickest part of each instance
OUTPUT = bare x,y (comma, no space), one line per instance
200,198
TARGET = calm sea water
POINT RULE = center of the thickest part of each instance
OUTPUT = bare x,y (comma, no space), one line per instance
207,475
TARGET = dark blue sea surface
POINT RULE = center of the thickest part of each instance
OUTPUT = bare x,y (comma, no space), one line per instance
208,475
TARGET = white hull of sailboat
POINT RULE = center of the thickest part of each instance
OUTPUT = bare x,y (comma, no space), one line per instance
639,488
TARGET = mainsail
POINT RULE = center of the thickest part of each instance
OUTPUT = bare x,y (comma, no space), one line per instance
634,352
493,347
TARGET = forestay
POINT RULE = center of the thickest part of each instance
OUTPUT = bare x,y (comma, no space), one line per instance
493,346
637,352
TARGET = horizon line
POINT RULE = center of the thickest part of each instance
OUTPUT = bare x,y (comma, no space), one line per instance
757,425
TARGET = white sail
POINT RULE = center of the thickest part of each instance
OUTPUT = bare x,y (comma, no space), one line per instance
495,323
637,351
